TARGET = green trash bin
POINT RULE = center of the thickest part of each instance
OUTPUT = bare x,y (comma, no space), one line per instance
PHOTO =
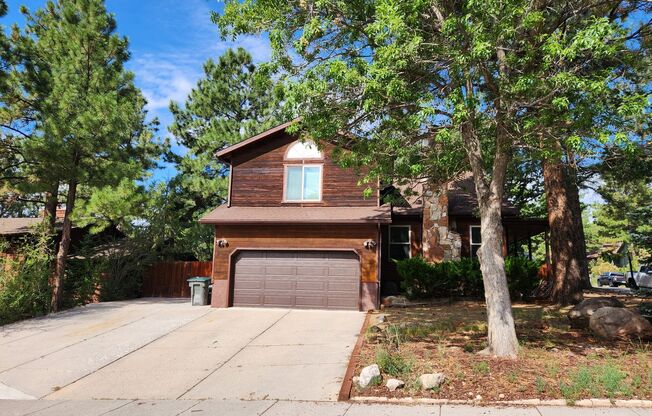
199,290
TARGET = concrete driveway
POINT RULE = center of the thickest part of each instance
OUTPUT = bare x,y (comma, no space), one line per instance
166,349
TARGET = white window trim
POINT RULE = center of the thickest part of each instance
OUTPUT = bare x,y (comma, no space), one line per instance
303,166
389,240
471,243
303,150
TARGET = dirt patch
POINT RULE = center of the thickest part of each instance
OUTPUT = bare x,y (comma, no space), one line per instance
555,361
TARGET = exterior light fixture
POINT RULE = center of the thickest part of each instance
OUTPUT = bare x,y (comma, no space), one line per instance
370,244
222,243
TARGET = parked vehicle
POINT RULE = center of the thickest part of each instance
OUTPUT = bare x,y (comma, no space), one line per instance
613,279
641,278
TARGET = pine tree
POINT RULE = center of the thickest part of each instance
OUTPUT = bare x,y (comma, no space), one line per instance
233,101
89,125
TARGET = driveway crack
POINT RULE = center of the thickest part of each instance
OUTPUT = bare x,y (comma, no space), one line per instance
233,355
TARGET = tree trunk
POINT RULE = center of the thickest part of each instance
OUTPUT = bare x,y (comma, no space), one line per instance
51,204
566,244
501,331
64,246
578,225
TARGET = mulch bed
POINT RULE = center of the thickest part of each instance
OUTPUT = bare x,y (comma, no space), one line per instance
555,361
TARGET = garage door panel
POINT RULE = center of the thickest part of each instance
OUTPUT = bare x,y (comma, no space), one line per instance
297,279
342,271
249,268
312,272
315,302
277,299
280,270
340,303
278,284
315,285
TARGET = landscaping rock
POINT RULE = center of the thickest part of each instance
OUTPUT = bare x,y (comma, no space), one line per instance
368,374
581,313
431,381
612,323
393,384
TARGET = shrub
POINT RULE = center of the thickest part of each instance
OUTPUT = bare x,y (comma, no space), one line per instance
392,363
421,279
24,280
123,270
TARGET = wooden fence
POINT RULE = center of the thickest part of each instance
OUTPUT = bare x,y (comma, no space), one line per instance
168,280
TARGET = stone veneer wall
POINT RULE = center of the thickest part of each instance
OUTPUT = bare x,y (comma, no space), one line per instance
439,242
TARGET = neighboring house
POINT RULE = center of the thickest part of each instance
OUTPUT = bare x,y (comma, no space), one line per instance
14,231
615,253
297,231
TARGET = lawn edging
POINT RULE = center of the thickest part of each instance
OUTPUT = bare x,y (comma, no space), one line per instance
647,404
347,383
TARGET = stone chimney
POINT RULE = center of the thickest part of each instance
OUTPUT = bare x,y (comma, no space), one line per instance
439,242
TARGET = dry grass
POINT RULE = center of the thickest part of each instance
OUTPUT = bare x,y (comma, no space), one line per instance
554,360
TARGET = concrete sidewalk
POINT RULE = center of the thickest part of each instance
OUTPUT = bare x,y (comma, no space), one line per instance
281,408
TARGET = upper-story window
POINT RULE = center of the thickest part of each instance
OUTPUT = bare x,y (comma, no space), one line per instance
303,178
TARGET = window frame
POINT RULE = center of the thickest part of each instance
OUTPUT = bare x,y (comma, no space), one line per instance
390,243
471,243
303,166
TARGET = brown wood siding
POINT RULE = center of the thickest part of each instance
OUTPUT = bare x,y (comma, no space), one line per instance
258,175
169,279
302,237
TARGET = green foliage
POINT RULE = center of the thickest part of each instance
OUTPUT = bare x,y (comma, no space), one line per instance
392,363
85,128
481,368
123,270
421,279
595,381
233,101
24,280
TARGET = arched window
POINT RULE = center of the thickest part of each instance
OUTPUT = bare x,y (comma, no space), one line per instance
303,150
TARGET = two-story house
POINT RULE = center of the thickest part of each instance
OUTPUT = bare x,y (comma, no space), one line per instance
297,231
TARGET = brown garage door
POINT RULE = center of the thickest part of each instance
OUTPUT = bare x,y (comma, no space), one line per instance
297,279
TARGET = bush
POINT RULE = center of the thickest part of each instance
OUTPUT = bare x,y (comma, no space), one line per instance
123,270
422,280
24,280
392,363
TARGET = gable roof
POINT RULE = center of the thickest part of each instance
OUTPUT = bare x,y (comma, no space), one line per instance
226,152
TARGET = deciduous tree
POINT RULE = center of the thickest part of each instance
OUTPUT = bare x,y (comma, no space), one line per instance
403,85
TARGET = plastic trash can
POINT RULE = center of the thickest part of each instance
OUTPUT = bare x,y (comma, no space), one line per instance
199,290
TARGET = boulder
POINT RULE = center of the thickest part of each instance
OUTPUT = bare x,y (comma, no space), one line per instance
431,381
612,323
581,313
393,384
368,374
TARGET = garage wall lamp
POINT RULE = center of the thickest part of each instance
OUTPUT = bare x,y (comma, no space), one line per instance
222,243
370,244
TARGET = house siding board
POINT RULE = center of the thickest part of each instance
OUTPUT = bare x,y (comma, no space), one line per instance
258,175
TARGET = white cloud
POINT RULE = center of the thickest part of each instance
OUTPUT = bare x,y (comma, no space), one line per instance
165,77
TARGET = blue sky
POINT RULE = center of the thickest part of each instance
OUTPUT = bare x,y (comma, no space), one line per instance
169,42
